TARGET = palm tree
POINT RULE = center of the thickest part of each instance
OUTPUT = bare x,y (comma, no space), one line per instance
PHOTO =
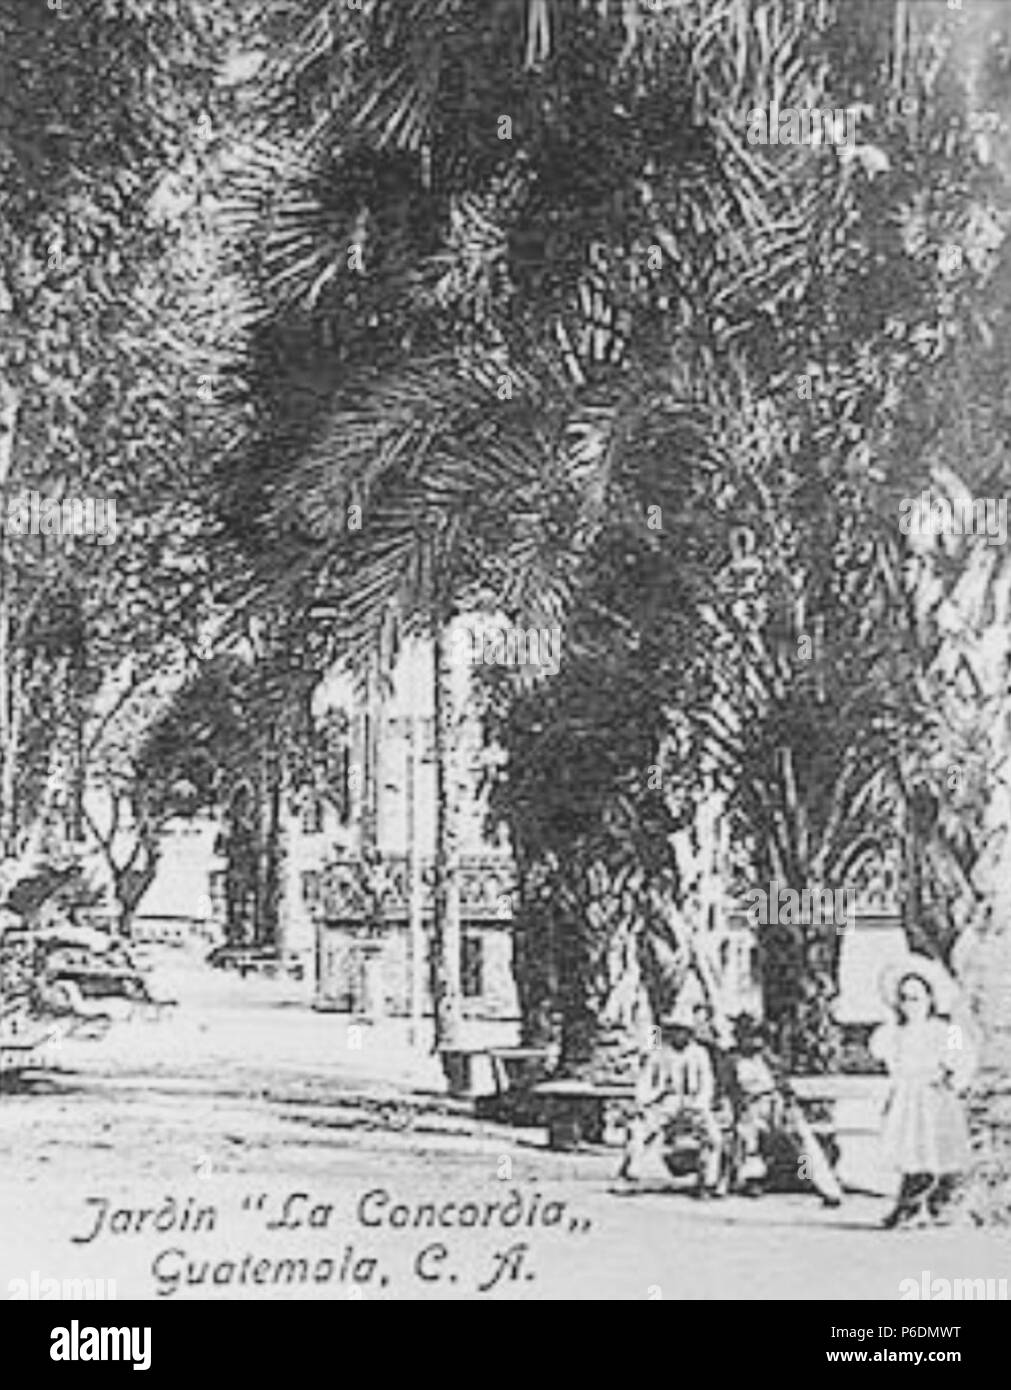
390,219
463,508
541,257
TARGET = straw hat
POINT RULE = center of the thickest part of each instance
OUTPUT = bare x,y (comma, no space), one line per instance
747,1028
939,981
679,1017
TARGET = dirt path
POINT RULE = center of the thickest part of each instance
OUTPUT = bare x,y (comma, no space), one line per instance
245,1147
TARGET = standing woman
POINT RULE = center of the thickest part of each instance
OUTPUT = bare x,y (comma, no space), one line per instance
930,1061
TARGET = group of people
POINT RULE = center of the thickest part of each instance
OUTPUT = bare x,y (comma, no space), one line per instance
732,1108
726,1104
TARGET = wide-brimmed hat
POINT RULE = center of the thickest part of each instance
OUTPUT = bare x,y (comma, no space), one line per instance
938,980
747,1031
678,1017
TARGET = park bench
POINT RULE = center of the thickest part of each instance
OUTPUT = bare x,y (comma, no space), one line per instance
16,1053
499,1080
468,1071
255,961
515,1073
843,1111
518,1068
101,995
20,1038
584,1112
822,1097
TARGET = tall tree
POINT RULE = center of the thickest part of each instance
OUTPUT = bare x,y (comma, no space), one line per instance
99,146
548,234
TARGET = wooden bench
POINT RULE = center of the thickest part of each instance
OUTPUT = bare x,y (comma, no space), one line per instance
824,1094
462,1067
584,1112
516,1073
154,1009
518,1068
499,1080
16,1048
257,962
62,995
578,1112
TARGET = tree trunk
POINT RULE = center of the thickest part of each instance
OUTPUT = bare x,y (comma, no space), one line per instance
64,737
9,406
13,688
370,725
270,897
78,772
581,1003
133,882
534,964
446,925
598,970
241,868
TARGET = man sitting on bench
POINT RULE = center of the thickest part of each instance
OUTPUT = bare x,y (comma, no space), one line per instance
675,1096
764,1108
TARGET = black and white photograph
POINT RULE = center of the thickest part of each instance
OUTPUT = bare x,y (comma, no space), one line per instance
505,663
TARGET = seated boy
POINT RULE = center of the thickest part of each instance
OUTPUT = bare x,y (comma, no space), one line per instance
763,1109
757,1104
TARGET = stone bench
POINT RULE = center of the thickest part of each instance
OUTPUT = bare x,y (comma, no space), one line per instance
255,962
845,1111
849,1103
499,1080
16,1048
578,1112
584,1112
